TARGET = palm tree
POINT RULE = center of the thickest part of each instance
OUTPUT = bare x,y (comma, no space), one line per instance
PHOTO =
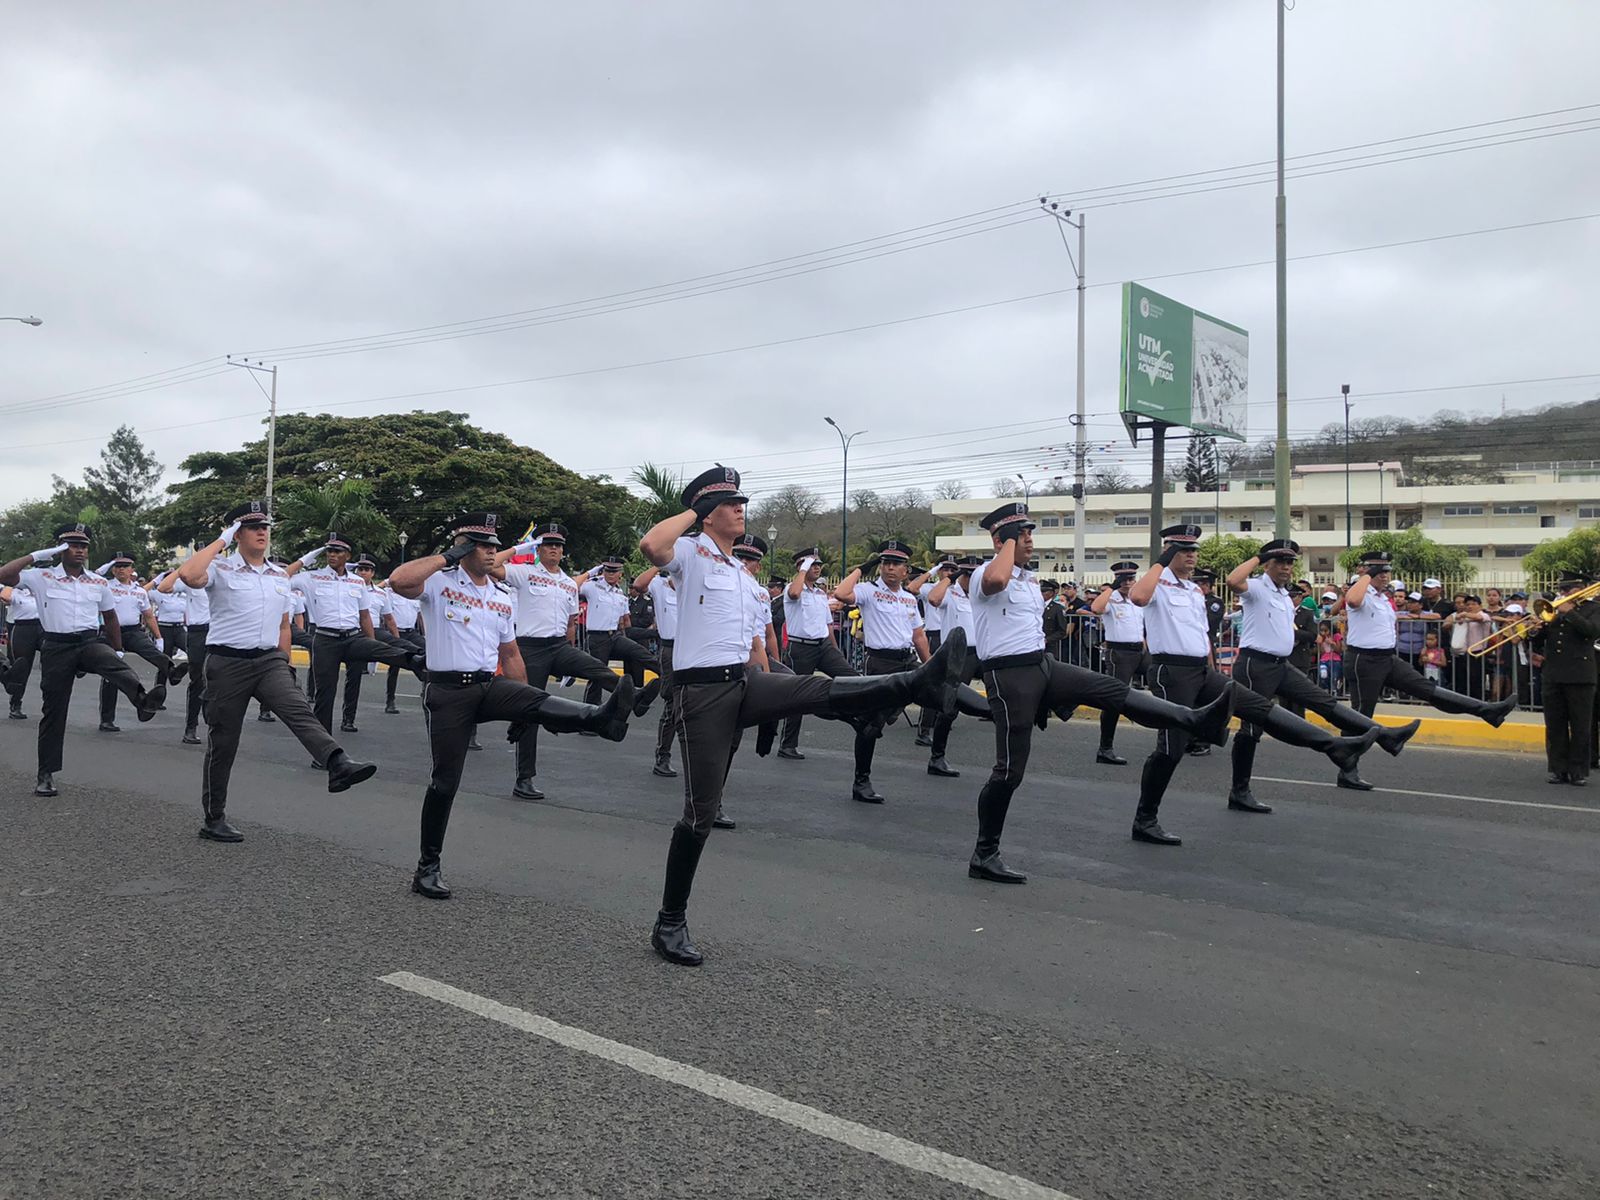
306,514
663,496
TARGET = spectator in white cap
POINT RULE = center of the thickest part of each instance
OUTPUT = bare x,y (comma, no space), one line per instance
1433,600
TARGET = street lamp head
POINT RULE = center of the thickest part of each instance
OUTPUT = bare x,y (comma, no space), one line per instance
831,421
35,321
1344,389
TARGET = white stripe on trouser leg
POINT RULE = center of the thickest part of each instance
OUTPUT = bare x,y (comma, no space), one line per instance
911,1155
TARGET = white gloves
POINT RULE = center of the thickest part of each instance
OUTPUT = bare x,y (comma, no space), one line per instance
42,556
806,564
527,547
103,567
118,653
161,645
228,534
310,559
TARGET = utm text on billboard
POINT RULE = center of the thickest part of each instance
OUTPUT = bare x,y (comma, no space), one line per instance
1182,366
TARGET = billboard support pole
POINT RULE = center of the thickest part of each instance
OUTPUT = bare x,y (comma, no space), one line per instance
1280,456
1081,449
1158,485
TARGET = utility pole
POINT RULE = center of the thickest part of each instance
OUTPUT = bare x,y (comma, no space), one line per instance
844,498
1280,506
1079,419
272,416
1344,389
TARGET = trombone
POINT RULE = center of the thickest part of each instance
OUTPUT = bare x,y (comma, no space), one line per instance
1541,612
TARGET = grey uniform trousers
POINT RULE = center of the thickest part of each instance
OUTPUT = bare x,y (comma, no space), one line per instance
59,664
1125,660
543,658
880,662
195,700
231,684
807,658
411,638
606,644
330,651
135,640
669,706
21,648
928,719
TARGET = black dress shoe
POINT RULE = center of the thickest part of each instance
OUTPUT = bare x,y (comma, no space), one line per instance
1579,781
391,709
190,737
44,785
16,713
1352,780
924,739
523,789
664,769
264,715
938,766
153,701
217,829
1109,757
1558,777
1199,750
670,938
1241,800
863,791
791,755
473,745
176,675
646,696
993,868
110,727
1153,833
348,726
428,882
723,822
344,772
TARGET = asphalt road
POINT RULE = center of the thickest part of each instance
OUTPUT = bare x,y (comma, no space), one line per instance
1391,994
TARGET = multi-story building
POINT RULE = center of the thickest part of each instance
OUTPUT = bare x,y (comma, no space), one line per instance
1495,523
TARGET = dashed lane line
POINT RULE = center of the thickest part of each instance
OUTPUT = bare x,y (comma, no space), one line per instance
887,1146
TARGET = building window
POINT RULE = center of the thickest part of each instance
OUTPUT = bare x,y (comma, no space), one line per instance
1473,551
1511,510
1094,556
1375,518
1512,551
1463,510
1258,485
1578,477
1548,521
1322,520
1246,526
1132,519
1199,518
1589,512
1408,518
1049,522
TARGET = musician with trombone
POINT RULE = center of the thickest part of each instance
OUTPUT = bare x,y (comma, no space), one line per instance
1371,663
1564,632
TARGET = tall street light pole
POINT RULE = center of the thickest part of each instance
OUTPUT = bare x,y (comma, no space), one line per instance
844,496
1344,388
1079,420
1280,457
272,415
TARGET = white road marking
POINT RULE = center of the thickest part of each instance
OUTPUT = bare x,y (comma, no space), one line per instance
1577,808
887,1146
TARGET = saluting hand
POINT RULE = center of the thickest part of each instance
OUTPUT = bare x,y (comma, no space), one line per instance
40,556
230,533
309,559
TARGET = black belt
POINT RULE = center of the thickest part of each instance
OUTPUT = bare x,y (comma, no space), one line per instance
729,674
71,639
1031,659
540,642
199,625
1367,650
903,655
666,641
26,621
807,641
460,679
337,634
1254,653
1179,660
1126,645
238,651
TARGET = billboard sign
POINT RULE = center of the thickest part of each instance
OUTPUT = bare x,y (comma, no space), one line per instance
1182,366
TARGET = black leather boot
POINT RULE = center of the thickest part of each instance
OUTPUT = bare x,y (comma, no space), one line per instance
1109,757
427,881
766,734
986,863
265,715
1157,773
1343,752
217,829
1393,738
344,773
110,727
44,785
191,736
670,939
525,789
176,675
664,769
391,709
723,821
938,766
646,696
994,801
1494,712
150,703
16,713
932,684
1350,778
1240,798
1209,724
970,703
435,820
348,725
863,790
608,719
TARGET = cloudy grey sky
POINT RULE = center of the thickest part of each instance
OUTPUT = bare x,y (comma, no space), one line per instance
186,181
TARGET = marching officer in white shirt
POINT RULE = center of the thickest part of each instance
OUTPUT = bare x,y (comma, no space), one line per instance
664,596
1180,655
546,603
1123,621
720,693
172,615
140,635
71,603
247,658
808,614
197,614
951,599
933,629
894,638
606,623
1266,642
1371,663
1025,685
22,644
336,606
471,631
402,625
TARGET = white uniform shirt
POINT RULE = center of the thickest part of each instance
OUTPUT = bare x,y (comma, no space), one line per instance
172,608
810,616
467,622
956,611
333,602
247,603
608,604
377,605
1372,625
1268,617
932,615
760,609
546,601
1012,620
130,601
67,603
888,617
23,606
198,603
1175,618
403,610
297,605
666,602
712,612
1123,619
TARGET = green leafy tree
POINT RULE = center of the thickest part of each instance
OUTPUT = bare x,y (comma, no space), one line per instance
1578,552
307,514
1222,552
114,499
126,479
1415,555
1200,465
